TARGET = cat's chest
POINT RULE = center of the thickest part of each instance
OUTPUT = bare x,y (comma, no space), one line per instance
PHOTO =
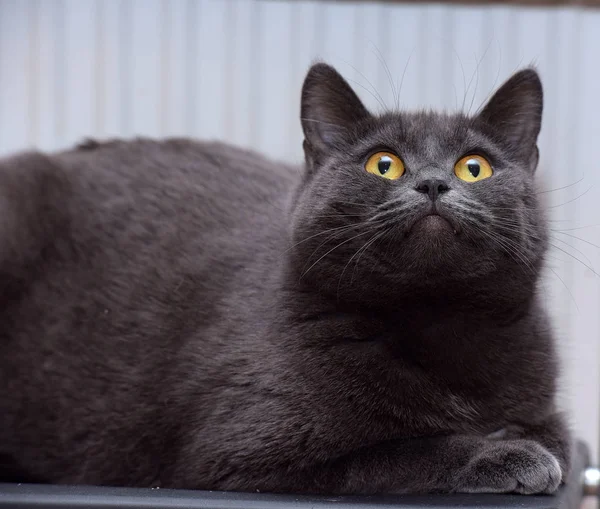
368,380
416,377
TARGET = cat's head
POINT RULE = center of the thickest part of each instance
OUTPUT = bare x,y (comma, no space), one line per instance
415,202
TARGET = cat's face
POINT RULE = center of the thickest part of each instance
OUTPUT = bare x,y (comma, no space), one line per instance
410,201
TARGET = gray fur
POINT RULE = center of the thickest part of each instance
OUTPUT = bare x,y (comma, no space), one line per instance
192,315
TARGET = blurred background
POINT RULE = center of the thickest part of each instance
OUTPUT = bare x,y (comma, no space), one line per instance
232,70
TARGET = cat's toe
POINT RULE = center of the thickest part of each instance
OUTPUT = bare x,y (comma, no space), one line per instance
514,466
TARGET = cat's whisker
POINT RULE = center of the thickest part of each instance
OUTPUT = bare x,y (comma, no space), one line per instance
364,246
573,199
374,91
527,233
333,249
577,228
537,237
516,208
513,248
381,59
561,188
382,234
469,207
354,204
324,123
518,250
341,215
574,248
403,74
501,244
508,245
476,72
518,233
514,225
316,235
331,237
566,287
376,97
575,258
386,206
462,68
338,234
507,224
380,216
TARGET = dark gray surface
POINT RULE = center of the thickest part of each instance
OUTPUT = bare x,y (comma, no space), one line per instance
23,496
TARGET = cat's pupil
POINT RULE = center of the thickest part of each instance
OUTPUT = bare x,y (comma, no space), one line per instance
474,168
384,165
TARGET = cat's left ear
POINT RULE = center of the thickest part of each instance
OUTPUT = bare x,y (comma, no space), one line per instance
329,109
514,113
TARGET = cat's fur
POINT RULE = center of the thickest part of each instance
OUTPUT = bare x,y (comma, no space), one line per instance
192,315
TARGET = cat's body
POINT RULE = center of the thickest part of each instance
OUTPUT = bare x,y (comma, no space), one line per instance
192,315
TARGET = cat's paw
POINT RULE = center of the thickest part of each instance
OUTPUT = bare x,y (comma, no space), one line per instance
511,466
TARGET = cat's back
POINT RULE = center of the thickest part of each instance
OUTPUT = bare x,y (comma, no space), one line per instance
124,216
160,177
144,190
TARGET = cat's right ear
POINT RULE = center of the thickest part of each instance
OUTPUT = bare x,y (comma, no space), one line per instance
329,108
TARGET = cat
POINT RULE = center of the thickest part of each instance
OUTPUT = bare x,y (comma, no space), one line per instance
188,314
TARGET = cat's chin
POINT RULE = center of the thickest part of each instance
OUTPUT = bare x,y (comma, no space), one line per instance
433,224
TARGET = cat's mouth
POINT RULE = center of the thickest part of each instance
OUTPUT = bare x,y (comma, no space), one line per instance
434,222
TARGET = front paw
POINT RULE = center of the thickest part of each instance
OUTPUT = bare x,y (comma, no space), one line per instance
511,466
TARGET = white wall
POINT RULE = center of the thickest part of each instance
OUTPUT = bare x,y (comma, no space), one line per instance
232,69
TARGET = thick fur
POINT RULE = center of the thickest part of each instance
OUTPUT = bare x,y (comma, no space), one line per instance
191,315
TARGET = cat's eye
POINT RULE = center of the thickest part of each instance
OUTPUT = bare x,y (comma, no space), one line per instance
472,168
386,165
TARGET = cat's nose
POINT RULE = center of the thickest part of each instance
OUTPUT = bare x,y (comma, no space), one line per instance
432,187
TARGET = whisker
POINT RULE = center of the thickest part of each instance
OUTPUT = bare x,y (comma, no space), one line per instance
385,213
384,207
512,228
578,228
360,256
561,188
510,250
324,123
572,200
382,61
331,250
317,234
577,238
574,248
377,97
364,246
534,236
402,80
357,204
334,235
477,76
575,258
337,234
567,288
508,245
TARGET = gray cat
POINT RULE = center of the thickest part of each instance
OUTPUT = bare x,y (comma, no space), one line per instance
192,315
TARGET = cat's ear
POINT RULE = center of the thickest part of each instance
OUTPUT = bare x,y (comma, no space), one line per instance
329,108
515,114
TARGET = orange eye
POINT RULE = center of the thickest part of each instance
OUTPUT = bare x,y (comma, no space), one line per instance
386,165
473,168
